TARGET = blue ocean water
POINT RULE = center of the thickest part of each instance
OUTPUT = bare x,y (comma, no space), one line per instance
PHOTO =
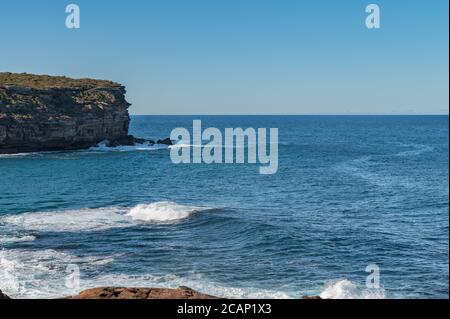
350,191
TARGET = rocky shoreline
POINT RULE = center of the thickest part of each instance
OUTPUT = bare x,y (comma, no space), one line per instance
143,293
136,293
53,113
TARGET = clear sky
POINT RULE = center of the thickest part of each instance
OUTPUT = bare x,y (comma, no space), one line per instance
241,56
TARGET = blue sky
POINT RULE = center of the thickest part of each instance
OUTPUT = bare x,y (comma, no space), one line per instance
241,56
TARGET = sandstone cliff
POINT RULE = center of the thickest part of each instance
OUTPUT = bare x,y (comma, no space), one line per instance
45,113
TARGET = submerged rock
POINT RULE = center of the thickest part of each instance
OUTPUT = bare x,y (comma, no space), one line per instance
46,113
141,293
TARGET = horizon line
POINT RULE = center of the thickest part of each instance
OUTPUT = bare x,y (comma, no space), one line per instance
312,114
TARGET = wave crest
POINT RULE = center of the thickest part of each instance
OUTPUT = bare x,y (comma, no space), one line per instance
95,219
345,289
162,212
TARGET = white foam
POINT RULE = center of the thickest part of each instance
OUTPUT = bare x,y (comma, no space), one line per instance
345,289
183,144
16,155
42,273
162,212
237,145
94,219
72,220
5,240
146,146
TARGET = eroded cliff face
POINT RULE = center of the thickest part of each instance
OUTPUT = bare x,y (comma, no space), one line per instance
43,113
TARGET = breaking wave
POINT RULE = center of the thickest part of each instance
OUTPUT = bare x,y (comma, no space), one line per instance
94,219
162,212
42,273
345,289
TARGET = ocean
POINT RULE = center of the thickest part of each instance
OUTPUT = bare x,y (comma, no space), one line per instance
350,192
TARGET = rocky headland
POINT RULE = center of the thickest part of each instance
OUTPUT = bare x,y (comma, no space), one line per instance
52,113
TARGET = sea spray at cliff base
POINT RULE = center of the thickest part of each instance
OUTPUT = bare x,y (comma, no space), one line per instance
145,146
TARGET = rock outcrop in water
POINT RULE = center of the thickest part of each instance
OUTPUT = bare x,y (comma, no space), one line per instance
141,293
166,141
3,296
46,113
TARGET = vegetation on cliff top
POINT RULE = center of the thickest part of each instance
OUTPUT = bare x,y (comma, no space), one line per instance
49,82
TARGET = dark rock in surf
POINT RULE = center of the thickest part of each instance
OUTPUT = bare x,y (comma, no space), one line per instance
166,141
137,140
129,140
3,296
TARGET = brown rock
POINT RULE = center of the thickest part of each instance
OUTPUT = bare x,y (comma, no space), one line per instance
141,293
311,297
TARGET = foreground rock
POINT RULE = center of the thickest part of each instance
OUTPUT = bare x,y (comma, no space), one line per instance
141,293
46,113
311,298
3,296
